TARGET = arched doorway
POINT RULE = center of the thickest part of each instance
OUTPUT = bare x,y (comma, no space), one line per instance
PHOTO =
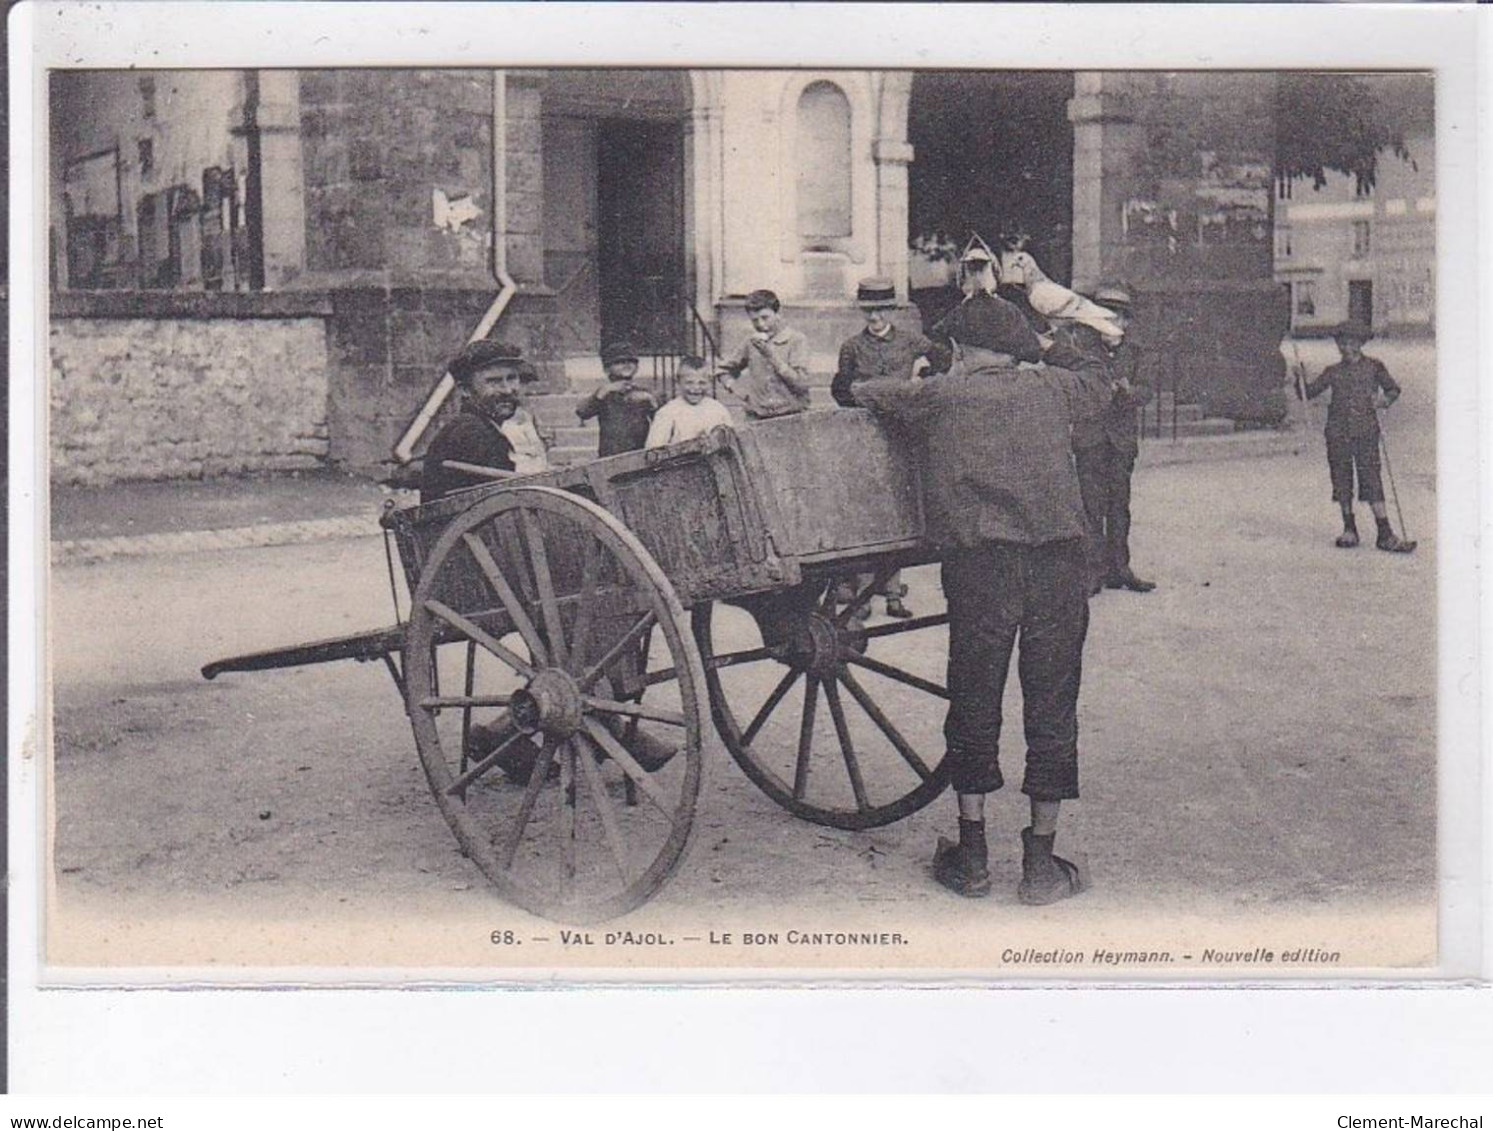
616,206
993,154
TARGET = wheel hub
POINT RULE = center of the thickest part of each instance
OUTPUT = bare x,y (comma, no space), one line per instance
552,703
818,644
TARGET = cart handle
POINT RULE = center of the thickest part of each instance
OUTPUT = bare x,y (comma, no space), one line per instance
478,469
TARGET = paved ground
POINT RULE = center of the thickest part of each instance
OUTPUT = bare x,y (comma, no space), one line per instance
1258,744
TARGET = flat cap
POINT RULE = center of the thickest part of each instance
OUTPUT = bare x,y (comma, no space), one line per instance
485,353
618,351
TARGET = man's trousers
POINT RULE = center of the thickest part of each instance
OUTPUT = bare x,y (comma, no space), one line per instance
1001,595
1104,483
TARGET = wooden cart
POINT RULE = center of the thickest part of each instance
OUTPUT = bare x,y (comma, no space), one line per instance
557,686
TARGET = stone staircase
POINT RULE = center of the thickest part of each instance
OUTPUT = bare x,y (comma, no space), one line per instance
576,441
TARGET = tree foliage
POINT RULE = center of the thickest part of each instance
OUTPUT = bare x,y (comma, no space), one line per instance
1331,122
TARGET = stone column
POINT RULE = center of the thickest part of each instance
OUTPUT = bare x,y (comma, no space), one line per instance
397,169
1106,141
524,164
892,158
1171,194
282,180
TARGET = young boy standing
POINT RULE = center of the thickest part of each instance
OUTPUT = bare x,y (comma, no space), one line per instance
770,372
626,411
1357,382
692,413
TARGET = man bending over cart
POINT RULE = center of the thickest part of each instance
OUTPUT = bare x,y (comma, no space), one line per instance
1002,501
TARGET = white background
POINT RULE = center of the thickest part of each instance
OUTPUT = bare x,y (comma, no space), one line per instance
945,1039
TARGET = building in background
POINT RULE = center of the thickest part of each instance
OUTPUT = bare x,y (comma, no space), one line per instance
258,270
1345,251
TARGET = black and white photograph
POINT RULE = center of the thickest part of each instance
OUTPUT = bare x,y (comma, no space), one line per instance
664,522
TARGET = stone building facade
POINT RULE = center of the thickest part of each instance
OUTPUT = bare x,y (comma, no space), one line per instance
390,207
1370,255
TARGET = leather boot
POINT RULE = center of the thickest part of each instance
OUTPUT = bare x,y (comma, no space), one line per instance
1046,878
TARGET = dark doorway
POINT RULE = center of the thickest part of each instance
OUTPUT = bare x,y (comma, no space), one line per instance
640,233
993,154
1361,301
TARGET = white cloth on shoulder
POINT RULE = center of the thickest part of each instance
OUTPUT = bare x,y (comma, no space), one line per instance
529,453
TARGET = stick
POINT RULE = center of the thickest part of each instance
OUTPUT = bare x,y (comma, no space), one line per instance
1311,416
478,469
1394,491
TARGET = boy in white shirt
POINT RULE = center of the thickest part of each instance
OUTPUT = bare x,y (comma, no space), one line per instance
692,413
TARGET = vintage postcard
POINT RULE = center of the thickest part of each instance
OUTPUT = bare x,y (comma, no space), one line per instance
518,513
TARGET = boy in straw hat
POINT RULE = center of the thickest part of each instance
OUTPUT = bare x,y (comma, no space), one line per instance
1360,386
879,351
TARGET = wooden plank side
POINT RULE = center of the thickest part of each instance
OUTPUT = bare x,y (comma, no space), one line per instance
843,483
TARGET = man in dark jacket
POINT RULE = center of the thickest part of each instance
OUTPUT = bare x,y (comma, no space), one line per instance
1001,499
490,375
1106,448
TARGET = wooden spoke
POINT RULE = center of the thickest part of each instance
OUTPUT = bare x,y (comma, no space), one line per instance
438,702
458,788
905,626
614,750
474,632
604,808
568,801
806,738
847,748
544,580
731,660
750,656
630,637
511,603
586,605
895,673
827,599
877,716
466,712
768,705
842,618
539,559
634,711
537,777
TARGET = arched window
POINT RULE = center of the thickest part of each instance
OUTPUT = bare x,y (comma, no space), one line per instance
823,162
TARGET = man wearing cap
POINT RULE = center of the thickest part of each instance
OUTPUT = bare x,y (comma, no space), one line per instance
490,375
1001,500
879,351
1106,447
989,330
626,411
1360,386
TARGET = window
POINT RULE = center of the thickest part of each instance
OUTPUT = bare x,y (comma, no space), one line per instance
1283,189
823,162
1360,238
146,151
1306,299
1283,243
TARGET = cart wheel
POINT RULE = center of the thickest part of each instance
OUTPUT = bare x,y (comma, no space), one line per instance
570,788
862,770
